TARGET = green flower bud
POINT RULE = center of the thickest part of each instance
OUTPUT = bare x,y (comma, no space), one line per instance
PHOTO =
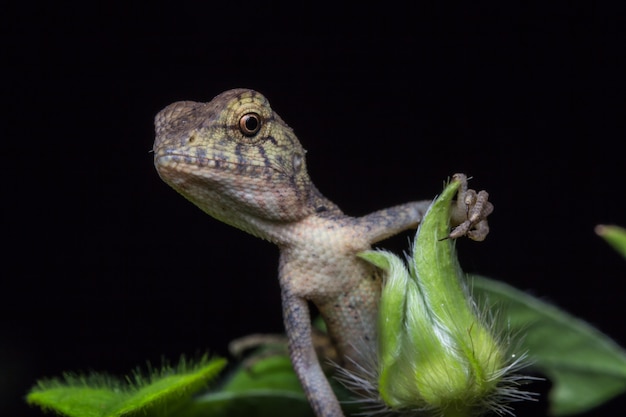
436,351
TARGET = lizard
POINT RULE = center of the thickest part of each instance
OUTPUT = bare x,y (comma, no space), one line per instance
238,161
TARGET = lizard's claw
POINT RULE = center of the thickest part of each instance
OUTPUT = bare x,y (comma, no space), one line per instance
469,214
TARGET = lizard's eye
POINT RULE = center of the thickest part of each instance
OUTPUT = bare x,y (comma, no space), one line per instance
250,124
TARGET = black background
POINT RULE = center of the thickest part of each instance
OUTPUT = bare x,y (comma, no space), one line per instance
105,267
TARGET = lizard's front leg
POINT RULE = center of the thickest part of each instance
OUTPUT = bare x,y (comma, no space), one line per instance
303,356
469,216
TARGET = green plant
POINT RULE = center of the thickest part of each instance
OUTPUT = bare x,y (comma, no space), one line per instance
585,366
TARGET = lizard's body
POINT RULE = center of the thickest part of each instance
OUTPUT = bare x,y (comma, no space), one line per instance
238,161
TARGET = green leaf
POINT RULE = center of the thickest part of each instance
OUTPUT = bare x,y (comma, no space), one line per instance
267,387
274,372
585,366
615,236
98,395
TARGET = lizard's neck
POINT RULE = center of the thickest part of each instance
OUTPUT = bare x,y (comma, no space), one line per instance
305,233
297,225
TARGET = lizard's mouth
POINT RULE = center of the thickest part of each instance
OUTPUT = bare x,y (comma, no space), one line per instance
203,166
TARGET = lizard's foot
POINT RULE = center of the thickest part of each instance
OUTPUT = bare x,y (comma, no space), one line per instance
469,214
265,346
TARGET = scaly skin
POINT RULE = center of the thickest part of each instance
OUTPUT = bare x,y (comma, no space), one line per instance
237,160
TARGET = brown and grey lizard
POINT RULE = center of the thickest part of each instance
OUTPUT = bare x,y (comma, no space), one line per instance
237,160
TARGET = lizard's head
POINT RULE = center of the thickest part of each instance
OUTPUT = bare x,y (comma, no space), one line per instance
235,158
